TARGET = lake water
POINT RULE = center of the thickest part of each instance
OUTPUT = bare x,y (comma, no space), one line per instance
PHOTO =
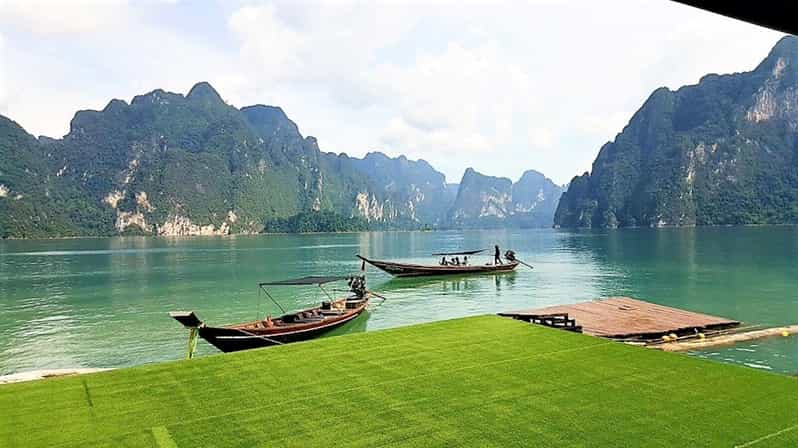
104,302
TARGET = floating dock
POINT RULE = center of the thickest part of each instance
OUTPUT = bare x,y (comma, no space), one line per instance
624,318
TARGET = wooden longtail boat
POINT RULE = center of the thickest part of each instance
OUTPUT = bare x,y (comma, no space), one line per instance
290,327
418,270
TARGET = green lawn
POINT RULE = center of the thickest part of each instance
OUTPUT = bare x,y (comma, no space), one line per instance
483,381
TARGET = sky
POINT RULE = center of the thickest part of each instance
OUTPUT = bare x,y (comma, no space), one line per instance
502,87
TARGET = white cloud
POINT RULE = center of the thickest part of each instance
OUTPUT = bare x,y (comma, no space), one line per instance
271,47
461,99
540,138
61,16
502,86
546,83
329,44
51,77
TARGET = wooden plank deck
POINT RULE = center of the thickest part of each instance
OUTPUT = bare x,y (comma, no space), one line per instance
627,318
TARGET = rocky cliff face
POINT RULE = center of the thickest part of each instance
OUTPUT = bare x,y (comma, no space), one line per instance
413,190
169,164
723,151
535,199
173,164
486,201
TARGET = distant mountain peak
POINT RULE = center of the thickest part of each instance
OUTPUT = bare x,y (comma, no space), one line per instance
276,112
204,91
375,155
484,200
155,96
785,45
115,105
270,120
472,173
9,122
780,57
532,174
173,164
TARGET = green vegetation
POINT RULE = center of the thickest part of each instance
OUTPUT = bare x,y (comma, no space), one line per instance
34,201
197,161
720,152
483,381
316,222
326,221
169,164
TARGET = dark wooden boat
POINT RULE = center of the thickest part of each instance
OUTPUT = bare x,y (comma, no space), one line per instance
290,327
419,270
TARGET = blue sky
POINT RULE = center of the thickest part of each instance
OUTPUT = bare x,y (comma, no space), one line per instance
502,86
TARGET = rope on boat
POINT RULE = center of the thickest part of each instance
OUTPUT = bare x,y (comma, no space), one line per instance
261,337
257,316
272,299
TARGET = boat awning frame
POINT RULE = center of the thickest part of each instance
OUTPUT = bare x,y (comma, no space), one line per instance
465,252
309,280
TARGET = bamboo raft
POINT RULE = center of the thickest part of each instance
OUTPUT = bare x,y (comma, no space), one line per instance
725,338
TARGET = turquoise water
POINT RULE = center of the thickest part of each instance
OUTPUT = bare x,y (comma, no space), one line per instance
104,302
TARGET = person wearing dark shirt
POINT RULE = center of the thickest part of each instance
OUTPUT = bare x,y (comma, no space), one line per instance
497,255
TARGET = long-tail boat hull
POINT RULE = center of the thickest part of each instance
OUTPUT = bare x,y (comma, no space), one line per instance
419,270
299,326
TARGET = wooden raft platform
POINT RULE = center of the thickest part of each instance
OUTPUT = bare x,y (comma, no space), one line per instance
628,319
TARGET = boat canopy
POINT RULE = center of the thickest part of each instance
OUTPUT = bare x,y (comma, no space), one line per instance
310,280
465,252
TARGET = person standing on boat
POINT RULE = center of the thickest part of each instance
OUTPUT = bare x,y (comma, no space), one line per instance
497,255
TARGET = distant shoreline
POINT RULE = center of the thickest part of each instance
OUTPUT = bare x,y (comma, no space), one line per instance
563,229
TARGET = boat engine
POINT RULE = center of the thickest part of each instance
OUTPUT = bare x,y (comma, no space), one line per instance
357,284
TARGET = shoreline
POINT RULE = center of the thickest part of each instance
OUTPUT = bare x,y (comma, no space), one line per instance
42,374
553,228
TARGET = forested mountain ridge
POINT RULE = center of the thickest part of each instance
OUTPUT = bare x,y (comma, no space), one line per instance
173,164
36,201
487,201
723,151
169,164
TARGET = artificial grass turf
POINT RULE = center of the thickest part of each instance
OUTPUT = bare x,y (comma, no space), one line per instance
482,381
